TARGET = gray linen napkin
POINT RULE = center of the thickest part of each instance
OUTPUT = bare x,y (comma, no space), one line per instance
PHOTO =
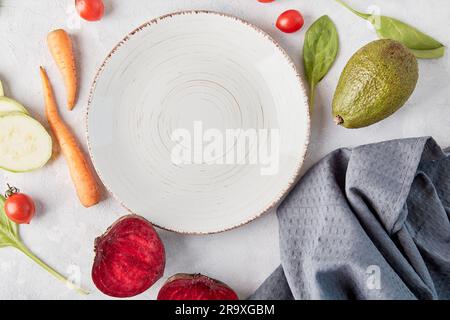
372,222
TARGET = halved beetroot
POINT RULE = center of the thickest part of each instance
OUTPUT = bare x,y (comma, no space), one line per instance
129,258
195,287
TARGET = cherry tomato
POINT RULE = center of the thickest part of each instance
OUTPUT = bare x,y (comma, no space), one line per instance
290,21
90,10
19,207
266,1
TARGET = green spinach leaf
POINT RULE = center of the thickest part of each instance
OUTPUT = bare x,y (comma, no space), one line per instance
320,49
8,229
429,54
422,45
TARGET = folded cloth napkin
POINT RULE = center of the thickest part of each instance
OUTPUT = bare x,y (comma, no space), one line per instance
372,222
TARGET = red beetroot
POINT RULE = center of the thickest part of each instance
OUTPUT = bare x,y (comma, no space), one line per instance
195,287
129,258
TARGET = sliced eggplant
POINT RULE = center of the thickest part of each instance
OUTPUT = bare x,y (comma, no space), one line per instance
10,105
25,145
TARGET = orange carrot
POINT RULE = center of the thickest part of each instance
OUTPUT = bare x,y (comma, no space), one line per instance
61,49
81,172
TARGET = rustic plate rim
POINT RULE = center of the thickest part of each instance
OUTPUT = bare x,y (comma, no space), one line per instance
290,183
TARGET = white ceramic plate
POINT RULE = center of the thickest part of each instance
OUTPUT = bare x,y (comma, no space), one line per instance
185,71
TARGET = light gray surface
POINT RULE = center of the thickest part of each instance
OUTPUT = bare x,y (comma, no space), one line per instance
370,222
63,232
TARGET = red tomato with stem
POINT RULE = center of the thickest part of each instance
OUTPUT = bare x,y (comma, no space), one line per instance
19,207
90,10
290,21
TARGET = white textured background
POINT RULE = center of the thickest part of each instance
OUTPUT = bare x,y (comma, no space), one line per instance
63,232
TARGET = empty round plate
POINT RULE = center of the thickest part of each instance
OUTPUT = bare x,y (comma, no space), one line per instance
198,121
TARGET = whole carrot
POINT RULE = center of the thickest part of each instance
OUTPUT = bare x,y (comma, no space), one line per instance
60,47
81,172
